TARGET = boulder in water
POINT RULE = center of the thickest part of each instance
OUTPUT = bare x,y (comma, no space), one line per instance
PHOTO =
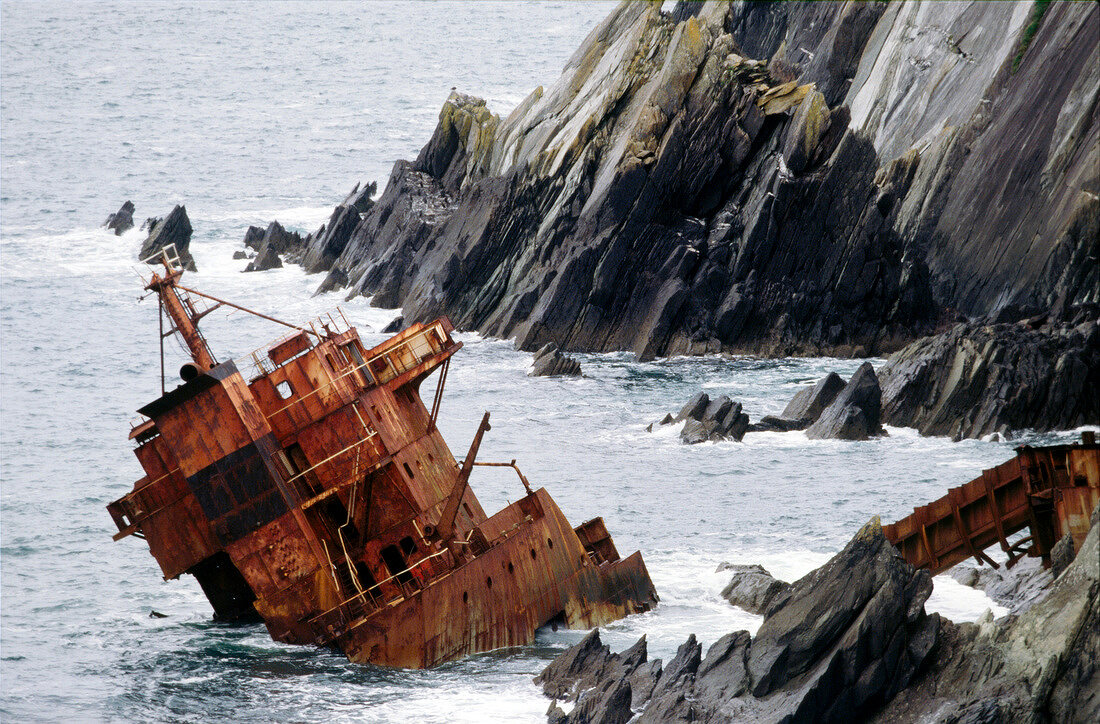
266,259
856,413
172,229
394,326
122,220
810,402
549,362
751,587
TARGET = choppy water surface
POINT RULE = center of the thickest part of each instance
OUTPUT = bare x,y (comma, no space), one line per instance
252,112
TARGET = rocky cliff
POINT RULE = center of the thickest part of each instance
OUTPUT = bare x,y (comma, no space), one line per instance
768,177
851,641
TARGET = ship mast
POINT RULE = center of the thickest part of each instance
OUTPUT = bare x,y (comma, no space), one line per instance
184,320
183,314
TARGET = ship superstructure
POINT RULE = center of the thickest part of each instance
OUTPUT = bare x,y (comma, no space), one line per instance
309,486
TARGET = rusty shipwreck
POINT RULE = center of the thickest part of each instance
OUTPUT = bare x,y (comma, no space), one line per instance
312,490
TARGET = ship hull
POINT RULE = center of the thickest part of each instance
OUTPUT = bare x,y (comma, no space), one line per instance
538,570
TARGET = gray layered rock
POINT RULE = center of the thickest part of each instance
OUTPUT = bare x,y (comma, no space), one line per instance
771,178
834,647
1040,666
979,379
751,587
266,259
253,236
175,228
706,419
855,413
122,220
271,244
550,362
811,401
1016,588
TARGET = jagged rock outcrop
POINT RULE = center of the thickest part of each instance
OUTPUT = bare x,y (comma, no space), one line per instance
774,178
1037,667
122,220
1015,588
979,379
810,402
550,362
705,419
253,236
324,246
172,229
834,647
268,258
751,587
271,244
804,408
855,413
395,326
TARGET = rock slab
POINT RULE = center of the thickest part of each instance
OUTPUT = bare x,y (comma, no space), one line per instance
175,228
550,362
122,220
855,413
978,379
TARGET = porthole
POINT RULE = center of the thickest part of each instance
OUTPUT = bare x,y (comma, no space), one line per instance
533,554
511,568
489,582
549,543
465,597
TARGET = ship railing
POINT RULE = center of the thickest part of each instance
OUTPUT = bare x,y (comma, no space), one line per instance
378,374
168,256
324,624
257,363
391,362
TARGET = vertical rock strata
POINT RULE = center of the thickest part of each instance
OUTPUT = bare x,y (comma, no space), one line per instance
880,164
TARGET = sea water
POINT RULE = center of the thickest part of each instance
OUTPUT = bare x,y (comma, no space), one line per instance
253,112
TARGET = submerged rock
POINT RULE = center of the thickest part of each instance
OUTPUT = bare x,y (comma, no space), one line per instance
122,220
855,413
549,362
771,423
395,326
977,379
172,229
833,647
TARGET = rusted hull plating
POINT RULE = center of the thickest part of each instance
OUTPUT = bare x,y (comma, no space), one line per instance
1049,490
316,494
536,572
